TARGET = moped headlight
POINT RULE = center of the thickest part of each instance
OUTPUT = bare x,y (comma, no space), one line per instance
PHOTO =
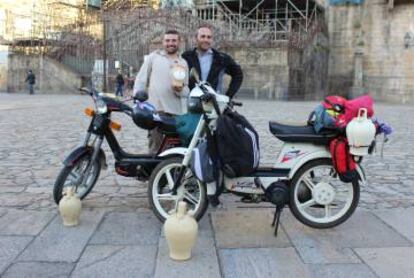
101,107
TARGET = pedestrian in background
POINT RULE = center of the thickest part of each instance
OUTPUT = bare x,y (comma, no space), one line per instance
31,81
120,82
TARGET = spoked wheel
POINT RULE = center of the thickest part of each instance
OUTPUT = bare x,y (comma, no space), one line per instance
191,190
75,176
319,199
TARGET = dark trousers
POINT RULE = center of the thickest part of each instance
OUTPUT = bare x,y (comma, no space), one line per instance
31,89
119,90
155,137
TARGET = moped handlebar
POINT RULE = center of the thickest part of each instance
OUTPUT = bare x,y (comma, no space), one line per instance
86,90
210,97
235,103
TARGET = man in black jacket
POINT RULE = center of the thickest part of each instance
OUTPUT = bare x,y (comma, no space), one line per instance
211,65
119,84
31,81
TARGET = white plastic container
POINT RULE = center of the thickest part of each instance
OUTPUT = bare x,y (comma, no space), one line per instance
360,133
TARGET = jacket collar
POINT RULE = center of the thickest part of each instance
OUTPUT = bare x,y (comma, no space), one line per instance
214,64
209,51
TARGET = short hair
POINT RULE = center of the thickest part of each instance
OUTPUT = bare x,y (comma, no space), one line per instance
172,32
208,26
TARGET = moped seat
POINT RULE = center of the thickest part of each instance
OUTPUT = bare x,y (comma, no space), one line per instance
301,134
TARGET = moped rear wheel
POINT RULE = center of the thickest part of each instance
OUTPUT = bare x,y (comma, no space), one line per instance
70,175
191,190
319,199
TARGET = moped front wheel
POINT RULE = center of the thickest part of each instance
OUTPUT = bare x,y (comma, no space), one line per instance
72,176
319,199
191,190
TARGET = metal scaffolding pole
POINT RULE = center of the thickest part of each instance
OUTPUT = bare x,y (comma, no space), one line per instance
275,21
296,8
240,13
307,13
254,9
104,56
286,14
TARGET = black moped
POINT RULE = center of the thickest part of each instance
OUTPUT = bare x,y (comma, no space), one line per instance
83,165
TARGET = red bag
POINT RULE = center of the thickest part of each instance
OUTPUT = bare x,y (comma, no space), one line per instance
342,159
352,107
333,109
336,103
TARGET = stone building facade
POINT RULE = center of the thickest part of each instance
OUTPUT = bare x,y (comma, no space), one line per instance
372,49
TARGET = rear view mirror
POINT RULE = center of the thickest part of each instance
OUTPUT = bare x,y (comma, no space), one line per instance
85,90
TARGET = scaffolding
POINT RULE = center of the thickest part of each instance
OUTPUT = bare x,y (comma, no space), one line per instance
133,27
66,31
122,32
270,21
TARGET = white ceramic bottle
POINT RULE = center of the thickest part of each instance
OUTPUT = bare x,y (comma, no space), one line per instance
181,232
70,207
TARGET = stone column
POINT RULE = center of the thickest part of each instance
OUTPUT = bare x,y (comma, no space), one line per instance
358,82
40,80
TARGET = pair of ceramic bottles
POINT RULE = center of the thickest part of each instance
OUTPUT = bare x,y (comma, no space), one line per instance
180,228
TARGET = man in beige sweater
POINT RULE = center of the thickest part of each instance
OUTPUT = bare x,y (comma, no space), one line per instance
155,78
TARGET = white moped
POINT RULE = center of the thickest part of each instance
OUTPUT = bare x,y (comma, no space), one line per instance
302,176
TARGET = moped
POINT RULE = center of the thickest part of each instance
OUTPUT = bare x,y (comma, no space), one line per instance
83,165
302,176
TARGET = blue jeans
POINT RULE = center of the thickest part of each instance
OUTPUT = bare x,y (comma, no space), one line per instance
119,90
31,90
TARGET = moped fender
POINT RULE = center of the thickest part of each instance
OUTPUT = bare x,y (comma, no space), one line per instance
322,154
77,153
179,151
307,158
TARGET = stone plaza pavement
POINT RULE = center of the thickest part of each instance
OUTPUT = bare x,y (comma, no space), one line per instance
120,237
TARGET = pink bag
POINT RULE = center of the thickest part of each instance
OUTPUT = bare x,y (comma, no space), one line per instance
352,107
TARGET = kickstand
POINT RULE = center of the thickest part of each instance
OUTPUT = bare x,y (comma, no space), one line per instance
276,219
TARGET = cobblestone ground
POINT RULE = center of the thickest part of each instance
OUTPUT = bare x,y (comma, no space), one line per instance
37,132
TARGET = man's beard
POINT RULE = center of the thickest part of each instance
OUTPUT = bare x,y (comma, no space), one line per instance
171,50
204,46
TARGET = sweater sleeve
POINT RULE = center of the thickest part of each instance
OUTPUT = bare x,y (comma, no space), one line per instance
141,80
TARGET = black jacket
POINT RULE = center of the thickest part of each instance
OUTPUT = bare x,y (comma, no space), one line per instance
120,79
221,61
31,78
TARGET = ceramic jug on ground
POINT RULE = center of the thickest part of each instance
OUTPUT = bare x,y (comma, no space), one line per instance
70,207
181,232
360,133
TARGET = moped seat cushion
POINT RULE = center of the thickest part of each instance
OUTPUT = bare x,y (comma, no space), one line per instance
302,134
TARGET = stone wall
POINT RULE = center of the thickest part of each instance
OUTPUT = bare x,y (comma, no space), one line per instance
388,66
51,76
308,70
265,70
3,77
284,73
3,69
